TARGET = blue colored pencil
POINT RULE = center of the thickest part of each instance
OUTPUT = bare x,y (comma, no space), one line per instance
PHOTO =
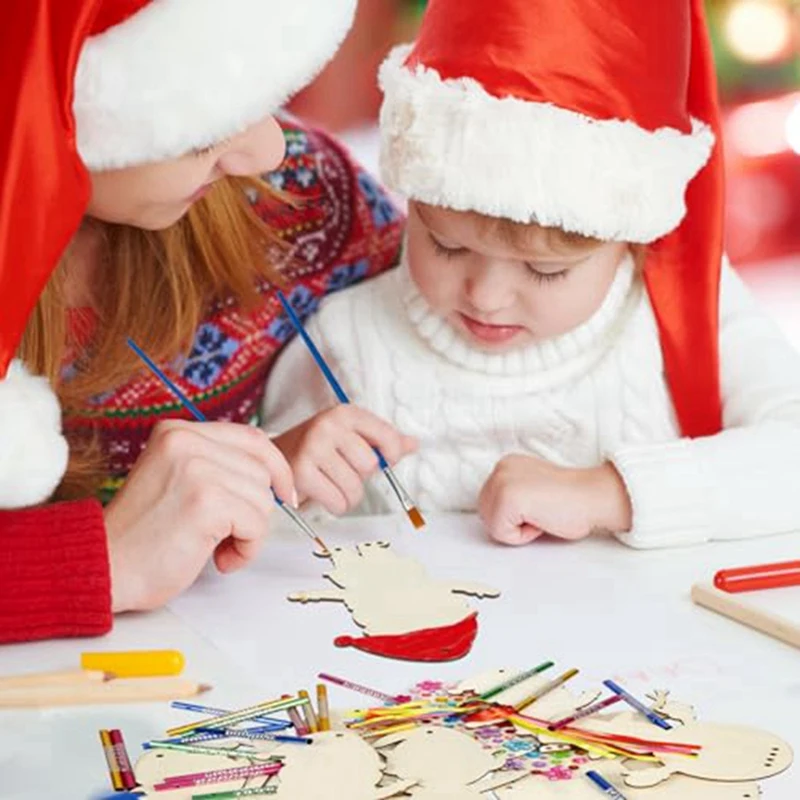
638,705
598,780
264,734
201,417
412,512
208,711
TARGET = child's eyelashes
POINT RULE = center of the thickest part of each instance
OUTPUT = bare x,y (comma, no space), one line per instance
546,277
447,252
538,274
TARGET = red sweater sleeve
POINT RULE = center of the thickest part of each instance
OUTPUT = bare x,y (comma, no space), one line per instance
54,573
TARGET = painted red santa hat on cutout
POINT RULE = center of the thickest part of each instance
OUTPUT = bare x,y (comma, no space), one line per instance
99,84
598,117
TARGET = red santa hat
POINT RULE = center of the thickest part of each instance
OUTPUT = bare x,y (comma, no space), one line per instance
448,643
598,117
99,84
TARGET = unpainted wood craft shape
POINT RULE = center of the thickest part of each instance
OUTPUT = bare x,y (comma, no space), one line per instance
729,752
340,765
444,763
156,765
580,788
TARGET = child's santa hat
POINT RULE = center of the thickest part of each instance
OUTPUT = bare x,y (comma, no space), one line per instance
102,84
594,117
448,643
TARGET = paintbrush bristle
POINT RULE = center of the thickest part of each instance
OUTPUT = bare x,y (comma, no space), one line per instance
416,518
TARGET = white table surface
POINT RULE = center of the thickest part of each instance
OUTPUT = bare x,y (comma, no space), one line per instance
597,605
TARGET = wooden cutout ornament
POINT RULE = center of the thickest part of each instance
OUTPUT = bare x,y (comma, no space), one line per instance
405,614
155,765
729,753
340,765
581,788
444,764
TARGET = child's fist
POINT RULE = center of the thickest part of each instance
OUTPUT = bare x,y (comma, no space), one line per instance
526,497
332,454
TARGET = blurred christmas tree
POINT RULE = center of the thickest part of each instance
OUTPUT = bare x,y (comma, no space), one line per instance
756,46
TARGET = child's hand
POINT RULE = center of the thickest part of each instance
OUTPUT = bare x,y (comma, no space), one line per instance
331,454
526,497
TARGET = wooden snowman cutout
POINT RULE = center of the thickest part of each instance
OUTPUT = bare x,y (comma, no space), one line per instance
340,765
154,766
405,613
730,753
444,764
580,788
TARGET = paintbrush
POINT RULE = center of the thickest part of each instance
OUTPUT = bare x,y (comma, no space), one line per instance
402,495
295,516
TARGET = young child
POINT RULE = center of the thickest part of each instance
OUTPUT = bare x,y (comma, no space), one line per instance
562,349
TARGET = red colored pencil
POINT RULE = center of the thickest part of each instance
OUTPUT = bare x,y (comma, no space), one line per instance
765,576
123,762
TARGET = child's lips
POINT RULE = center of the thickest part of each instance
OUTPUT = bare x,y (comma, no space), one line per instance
490,334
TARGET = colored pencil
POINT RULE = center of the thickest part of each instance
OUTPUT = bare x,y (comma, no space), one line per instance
546,689
67,677
323,708
262,734
111,759
412,512
297,722
218,776
638,705
136,663
295,516
312,723
355,687
601,783
234,794
123,761
516,680
585,712
207,751
139,690
278,724
235,717
765,576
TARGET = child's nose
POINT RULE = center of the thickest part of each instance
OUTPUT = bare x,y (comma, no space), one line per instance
259,149
488,290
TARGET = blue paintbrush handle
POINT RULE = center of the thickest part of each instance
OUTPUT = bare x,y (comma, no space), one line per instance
321,363
185,401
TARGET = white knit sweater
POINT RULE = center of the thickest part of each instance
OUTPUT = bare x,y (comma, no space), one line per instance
595,394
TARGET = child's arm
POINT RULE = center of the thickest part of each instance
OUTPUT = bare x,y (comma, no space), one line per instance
744,481
328,445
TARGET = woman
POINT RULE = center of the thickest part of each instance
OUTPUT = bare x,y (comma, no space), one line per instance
126,210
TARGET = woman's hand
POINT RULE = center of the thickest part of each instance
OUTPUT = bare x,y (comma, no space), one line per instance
198,489
331,454
526,497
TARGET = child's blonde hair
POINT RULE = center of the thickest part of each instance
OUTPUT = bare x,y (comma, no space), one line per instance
524,236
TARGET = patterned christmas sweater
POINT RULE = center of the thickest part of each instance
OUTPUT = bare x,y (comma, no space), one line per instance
54,580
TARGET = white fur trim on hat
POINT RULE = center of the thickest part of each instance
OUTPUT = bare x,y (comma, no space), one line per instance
33,453
185,74
449,143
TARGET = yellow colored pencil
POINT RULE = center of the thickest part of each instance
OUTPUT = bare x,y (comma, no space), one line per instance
312,723
323,709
